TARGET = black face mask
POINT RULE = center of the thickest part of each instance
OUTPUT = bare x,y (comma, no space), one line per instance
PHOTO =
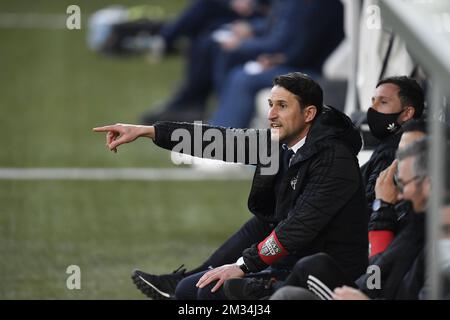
382,124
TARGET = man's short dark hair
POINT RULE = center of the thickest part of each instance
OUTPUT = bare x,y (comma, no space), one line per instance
410,93
301,85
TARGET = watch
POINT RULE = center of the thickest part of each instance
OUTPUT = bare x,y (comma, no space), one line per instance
241,264
379,204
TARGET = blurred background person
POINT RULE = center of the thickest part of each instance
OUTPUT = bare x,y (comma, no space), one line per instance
296,35
307,33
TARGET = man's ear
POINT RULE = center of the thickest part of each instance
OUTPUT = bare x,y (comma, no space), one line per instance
407,114
310,113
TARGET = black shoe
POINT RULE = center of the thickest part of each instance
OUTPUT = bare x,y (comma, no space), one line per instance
248,288
158,287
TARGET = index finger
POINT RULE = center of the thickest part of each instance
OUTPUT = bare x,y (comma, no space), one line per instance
206,279
392,167
103,129
202,282
203,278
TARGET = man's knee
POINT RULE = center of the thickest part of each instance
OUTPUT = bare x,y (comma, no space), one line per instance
206,294
186,289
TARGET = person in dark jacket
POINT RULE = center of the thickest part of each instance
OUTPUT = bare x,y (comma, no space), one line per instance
396,101
385,220
314,203
397,272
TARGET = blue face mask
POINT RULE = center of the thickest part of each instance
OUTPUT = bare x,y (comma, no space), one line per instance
382,124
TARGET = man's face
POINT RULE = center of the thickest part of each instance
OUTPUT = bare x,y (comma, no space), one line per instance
386,99
285,116
413,187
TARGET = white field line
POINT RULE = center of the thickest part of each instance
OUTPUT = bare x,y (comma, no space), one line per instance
24,20
33,21
132,174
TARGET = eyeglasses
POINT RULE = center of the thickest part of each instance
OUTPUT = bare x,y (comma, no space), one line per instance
402,184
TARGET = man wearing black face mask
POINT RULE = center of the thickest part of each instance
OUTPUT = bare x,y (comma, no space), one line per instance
396,100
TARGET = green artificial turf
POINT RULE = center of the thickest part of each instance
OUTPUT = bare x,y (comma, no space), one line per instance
107,229
53,90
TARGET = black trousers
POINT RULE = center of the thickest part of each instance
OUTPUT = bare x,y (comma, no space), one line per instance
253,231
320,274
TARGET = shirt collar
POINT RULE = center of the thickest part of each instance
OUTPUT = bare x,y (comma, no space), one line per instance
298,145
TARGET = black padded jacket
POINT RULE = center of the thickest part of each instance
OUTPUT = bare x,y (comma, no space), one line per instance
320,204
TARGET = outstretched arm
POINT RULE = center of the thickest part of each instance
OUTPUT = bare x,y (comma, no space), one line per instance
248,146
121,133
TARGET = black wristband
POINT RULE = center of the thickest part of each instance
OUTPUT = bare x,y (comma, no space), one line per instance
241,264
383,219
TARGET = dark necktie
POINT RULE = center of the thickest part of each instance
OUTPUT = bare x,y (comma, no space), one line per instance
287,156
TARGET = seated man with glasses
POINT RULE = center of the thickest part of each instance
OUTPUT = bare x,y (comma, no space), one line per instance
388,214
